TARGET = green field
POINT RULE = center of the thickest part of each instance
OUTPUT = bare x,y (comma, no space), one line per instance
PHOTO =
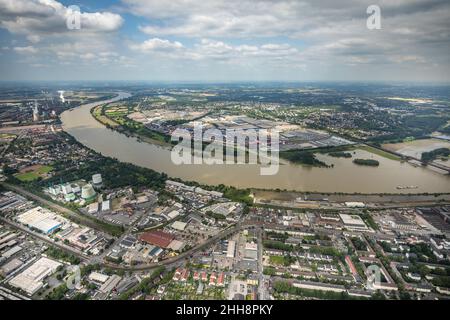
276,260
33,175
379,152
7,136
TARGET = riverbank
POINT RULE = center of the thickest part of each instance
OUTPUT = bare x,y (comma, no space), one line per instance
138,131
315,200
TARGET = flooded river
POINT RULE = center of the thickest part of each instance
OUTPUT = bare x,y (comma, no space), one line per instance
344,177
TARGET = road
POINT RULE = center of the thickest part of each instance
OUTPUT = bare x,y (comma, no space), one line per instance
18,129
263,293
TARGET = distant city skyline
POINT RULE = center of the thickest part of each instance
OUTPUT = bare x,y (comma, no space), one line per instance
224,41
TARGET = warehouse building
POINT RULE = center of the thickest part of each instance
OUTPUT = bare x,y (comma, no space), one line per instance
9,267
31,280
110,284
353,222
41,219
157,238
98,277
179,225
251,251
9,253
231,249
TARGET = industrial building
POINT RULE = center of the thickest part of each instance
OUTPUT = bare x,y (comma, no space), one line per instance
106,205
224,208
231,249
353,222
179,225
110,284
98,277
31,280
9,267
251,251
157,238
176,245
41,219
9,253
355,204
11,201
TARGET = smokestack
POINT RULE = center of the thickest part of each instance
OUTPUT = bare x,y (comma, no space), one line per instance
36,117
61,96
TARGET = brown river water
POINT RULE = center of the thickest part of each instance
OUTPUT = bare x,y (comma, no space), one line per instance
344,177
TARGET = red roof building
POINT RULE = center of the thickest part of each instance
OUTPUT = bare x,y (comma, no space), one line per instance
220,280
185,275
177,274
212,279
157,238
351,265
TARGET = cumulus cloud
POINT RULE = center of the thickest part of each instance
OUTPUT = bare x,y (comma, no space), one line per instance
328,27
239,18
213,50
33,38
157,45
26,50
43,17
305,39
43,24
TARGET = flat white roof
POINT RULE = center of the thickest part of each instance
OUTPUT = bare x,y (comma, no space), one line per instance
178,225
231,248
106,205
31,280
173,214
355,204
41,219
99,277
352,219
176,245
11,252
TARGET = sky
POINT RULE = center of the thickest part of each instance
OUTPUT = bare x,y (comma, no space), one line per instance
224,40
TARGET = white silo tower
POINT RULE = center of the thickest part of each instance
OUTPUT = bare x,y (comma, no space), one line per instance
97,180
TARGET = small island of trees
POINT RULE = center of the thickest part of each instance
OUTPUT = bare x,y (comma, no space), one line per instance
340,154
432,155
366,162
